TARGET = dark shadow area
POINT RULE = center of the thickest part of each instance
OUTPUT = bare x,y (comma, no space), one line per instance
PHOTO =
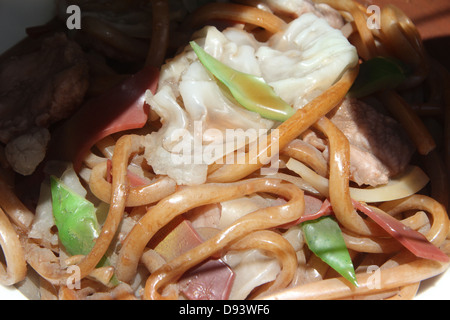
432,17
439,49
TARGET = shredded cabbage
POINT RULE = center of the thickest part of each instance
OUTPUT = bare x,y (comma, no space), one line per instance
299,63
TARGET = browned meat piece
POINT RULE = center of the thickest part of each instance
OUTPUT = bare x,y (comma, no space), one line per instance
379,148
42,87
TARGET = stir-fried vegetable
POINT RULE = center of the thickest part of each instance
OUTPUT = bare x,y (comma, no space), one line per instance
252,92
377,74
324,238
75,218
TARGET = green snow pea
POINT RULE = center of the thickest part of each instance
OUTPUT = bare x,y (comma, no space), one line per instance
324,238
75,218
379,73
252,92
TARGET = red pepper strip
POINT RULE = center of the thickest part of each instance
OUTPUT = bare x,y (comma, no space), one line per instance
325,210
412,240
134,180
314,209
120,108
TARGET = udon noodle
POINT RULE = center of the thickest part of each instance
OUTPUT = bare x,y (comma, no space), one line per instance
268,208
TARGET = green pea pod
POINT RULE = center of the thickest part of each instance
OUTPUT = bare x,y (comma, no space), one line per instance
325,240
75,218
252,92
376,74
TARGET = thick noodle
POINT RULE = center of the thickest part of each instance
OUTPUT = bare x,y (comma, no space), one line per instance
404,274
273,245
339,191
137,196
16,267
240,13
125,147
195,196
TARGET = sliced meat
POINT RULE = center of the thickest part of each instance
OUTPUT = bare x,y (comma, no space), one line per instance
42,87
365,168
379,148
